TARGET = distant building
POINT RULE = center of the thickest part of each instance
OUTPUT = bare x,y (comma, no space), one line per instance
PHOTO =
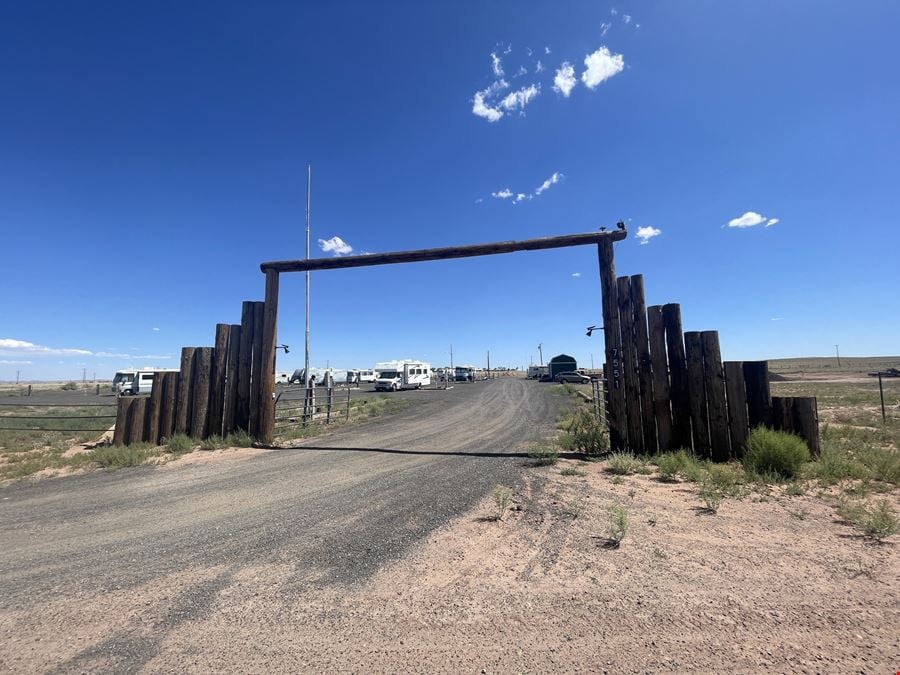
561,364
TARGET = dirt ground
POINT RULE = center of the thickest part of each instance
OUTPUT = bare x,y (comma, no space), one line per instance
770,583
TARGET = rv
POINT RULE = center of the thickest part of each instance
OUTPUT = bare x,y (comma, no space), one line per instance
535,372
465,373
404,376
133,382
367,376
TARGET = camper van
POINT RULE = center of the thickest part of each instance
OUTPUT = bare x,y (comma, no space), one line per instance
133,382
535,372
404,376
465,373
367,376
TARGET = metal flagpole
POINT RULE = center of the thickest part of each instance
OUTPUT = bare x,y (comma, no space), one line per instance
306,358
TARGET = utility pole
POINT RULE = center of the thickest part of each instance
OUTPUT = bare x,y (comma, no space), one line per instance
838,354
306,355
17,377
489,364
541,352
592,361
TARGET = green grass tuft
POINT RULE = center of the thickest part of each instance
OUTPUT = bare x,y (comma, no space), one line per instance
775,453
120,456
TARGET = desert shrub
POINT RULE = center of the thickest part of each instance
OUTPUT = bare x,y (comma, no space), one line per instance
668,466
239,439
214,442
179,444
877,521
624,463
711,496
834,464
543,454
572,471
69,386
775,453
727,478
502,497
618,524
119,456
882,464
585,433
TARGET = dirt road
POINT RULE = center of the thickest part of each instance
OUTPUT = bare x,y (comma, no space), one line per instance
98,571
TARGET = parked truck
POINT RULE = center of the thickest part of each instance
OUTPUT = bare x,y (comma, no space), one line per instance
405,376
133,382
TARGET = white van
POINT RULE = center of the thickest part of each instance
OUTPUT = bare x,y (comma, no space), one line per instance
135,382
367,376
407,376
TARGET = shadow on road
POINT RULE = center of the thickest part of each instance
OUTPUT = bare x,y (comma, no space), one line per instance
448,453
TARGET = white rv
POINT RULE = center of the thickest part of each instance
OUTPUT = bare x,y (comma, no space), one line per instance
133,382
367,376
534,372
404,376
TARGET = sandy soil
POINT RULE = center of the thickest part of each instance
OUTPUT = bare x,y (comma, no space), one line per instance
770,583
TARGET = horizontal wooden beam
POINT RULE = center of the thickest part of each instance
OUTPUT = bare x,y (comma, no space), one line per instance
443,253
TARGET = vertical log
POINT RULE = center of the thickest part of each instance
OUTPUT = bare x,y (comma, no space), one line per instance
231,379
806,421
693,351
167,411
267,388
681,410
782,418
629,367
714,383
120,433
612,368
245,362
660,369
136,414
256,367
217,384
200,405
736,393
155,409
759,400
645,365
185,391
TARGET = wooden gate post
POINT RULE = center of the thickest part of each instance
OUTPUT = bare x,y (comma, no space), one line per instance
612,369
660,368
267,379
645,366
681,411
629,367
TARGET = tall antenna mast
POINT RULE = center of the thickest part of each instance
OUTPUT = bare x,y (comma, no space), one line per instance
306,358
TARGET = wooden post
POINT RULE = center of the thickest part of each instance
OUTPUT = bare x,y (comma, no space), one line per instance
644,363
806,421
348,404
245,363
217,384
759,400
736,392
330,403
169,400
120,433
629,367
256,373
155,409
135,427
681,410
200,406
693,351
267,386
612,369
660,369
783,413
714,383
185,391
231,378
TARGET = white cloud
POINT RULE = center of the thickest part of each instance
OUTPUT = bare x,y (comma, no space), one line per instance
10,347
482,108
751,219
565,81
155,329
627,18
6,362
576,274
604,28
539,68
496,65
600,66
115,355
645,234
553,180
521,71
613,11
520,197
776,318
335,246
477,201
505,193
519,99
547,50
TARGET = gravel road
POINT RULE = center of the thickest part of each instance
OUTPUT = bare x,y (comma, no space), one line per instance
333,510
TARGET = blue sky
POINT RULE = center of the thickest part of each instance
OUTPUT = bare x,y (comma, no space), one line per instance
153,154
